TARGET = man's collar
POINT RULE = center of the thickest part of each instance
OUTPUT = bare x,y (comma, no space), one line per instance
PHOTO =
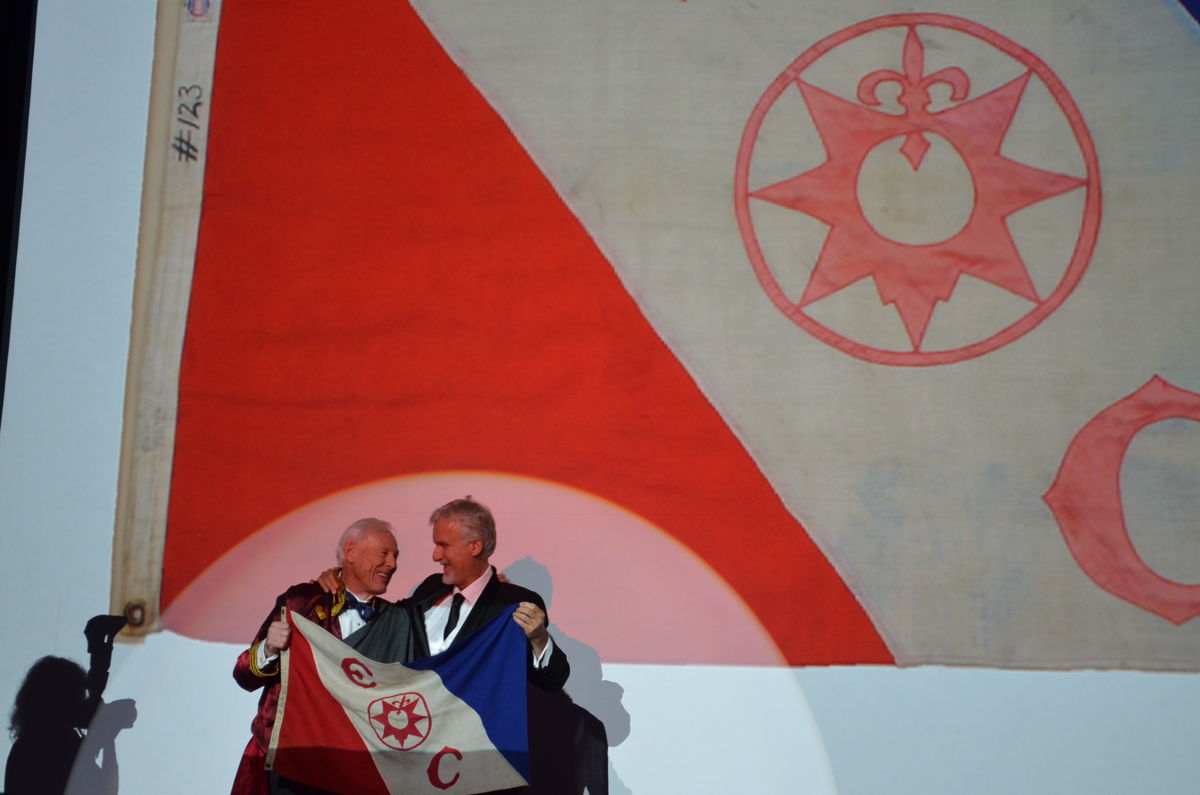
341,597
472,592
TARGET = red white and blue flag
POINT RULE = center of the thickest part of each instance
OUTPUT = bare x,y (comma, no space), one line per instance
455,722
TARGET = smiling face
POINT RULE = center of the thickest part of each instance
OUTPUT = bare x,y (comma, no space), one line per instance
457,553
369,563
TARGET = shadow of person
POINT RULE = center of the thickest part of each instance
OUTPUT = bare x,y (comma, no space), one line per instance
95,771
47,727
570,732
61,727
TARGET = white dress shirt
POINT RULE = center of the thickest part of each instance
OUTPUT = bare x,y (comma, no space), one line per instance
437,616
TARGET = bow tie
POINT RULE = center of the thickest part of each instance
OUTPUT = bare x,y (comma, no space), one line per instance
364,608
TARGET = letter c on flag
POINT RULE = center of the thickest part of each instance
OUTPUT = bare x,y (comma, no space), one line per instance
435,776
1086,501
358,673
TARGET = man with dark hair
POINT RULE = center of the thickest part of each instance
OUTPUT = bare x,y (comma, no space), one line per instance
366,553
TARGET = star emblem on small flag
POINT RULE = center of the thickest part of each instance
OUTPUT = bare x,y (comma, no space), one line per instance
401,721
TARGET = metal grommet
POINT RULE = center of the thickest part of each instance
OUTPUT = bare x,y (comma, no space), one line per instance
135,614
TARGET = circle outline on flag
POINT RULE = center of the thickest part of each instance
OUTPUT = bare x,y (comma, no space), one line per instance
416,709
1081,253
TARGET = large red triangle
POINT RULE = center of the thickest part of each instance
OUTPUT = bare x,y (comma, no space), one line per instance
317,743
386,283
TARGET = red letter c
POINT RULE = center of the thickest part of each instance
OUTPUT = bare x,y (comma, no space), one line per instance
358,673
435,777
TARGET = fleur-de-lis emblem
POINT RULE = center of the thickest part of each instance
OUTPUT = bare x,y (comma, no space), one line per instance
914,92
913,274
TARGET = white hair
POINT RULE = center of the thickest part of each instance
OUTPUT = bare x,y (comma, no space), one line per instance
356,531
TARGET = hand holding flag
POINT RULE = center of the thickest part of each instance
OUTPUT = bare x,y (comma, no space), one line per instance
279,635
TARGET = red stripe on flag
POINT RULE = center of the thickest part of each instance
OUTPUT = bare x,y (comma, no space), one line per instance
317,743
386,284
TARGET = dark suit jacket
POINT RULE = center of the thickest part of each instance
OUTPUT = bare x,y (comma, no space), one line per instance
496,597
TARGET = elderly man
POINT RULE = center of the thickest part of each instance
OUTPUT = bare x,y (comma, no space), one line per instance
366,553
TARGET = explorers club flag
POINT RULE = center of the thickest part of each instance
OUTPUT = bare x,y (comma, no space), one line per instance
874,326
454,722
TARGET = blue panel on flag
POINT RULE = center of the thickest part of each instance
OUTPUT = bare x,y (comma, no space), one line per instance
479,671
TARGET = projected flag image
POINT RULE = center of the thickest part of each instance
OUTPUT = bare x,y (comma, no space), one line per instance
797,322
